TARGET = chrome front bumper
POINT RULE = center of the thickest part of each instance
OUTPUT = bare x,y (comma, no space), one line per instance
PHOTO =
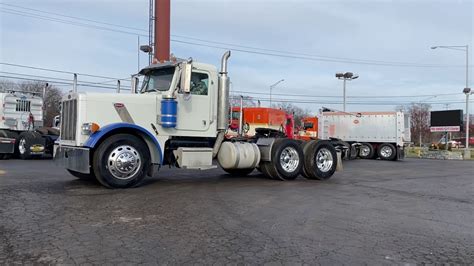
72,158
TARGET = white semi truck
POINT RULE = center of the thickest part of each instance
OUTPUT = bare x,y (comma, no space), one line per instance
21,119
179,117
370,135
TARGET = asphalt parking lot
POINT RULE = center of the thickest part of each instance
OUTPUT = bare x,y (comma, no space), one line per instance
373,212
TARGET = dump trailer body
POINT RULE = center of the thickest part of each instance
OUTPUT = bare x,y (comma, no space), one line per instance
373,129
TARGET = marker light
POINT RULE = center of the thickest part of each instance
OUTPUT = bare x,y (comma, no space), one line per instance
89,128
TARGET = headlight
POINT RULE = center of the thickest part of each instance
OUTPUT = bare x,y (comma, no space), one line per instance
89,128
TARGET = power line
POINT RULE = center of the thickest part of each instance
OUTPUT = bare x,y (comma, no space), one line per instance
353,102
48,78
59,82
73,17
339,96
57,71
263,51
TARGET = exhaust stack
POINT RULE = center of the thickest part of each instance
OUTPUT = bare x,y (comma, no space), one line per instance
223,95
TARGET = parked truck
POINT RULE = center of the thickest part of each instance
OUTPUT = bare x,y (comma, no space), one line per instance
21,119
179,118
369,135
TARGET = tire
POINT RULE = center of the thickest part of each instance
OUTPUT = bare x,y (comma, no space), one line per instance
108,155
239,172
82,176
320,161
286,160
24,143
387,152
366,151
305,148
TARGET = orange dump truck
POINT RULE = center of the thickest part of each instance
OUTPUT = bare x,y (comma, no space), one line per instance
309,129
261,117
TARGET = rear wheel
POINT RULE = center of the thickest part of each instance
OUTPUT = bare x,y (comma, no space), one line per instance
366,151
121,161
286,160
305,148
321,160
387,151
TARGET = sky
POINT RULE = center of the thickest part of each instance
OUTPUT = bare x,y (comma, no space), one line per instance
386,43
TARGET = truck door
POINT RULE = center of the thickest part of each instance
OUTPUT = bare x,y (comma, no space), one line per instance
194,109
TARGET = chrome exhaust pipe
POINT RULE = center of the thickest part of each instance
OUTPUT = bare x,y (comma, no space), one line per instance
223,95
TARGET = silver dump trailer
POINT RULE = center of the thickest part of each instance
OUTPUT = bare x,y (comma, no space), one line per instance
368,135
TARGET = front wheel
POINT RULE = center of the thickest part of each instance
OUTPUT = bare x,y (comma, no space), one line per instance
121,161
28,145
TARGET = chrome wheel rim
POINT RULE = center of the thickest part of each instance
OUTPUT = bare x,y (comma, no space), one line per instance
324,160
289,159
364,150
21,146
386,151
124,162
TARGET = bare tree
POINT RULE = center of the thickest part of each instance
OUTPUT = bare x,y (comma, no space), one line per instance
297,112
247,101
420,121
51,100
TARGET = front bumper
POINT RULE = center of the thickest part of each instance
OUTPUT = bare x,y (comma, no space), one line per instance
73,158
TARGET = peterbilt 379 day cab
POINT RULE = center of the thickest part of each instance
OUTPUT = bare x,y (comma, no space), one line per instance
21,120
179,117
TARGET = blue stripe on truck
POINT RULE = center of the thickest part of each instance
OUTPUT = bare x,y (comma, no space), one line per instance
97,136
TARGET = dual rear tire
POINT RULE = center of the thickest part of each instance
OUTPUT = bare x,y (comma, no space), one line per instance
313,159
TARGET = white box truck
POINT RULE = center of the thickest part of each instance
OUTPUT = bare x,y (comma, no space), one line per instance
370,135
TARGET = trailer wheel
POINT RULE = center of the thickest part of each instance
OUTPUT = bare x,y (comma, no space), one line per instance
286,160
121,161
321,160
239,172
24,143
82,176
366,151
387,152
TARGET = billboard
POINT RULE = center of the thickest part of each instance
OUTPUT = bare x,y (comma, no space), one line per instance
444,121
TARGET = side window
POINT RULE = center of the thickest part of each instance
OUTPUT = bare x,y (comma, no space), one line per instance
199,83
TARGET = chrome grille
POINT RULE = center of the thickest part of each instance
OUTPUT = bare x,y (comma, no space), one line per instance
68,120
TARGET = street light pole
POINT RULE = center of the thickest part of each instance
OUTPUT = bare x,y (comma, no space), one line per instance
345,76
271,88
344,95
467,91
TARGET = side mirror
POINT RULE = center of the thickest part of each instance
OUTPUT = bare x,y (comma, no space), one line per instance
186,77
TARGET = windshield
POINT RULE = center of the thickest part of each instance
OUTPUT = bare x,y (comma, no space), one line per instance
158,80
235,115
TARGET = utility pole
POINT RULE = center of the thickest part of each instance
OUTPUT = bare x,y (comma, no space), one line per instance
162,30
